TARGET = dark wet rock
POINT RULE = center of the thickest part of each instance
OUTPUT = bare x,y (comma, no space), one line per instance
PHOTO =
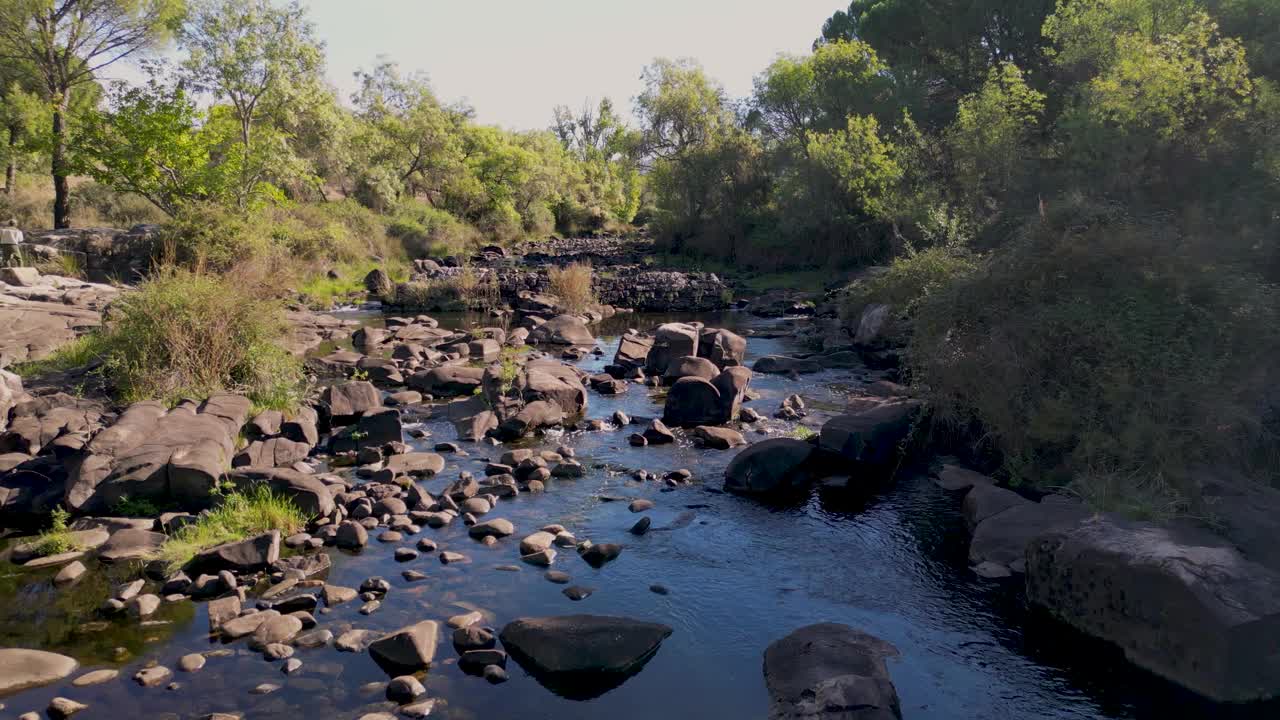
1179,602
606,384
245,556
641,527
782,365
871,438
600,554
476,660
473,637
657,433
21,669
659,589
577,593
693,401
582,656
983,500
733,384
954,477
777,465
534,416
558,577
412,647
830,672
1004,537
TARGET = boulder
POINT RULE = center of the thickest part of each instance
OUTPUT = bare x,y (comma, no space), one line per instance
722,347
671,341
689,366
582,656
530,418
410,648
130,544
633,351
782,365
1003,538
312,496
830,672
240,557
693,401
1179,602
554,382
21,669
272,452
351,399
732,384
562,330
777,465
718,438
871,438
448,381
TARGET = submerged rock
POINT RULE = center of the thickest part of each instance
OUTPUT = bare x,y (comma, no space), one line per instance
582,656
830,672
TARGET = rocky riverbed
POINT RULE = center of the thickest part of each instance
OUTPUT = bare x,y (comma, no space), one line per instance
575,517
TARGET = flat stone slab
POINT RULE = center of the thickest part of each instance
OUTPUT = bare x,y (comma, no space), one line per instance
21,668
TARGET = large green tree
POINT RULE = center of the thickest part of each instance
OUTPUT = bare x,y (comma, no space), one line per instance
66,43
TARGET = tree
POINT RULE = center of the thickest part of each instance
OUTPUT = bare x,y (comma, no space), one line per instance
151,142
66,42
990,140
679,107
19,114
797,95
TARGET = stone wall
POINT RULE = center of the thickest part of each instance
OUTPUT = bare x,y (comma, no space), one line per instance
106,254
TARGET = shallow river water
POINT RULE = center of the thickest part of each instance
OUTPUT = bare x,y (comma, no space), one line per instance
740,574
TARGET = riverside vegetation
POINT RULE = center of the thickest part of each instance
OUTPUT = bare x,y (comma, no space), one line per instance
1046,234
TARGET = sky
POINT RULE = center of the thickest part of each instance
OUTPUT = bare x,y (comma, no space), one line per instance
515,60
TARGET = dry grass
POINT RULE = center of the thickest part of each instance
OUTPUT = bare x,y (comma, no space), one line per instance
573,285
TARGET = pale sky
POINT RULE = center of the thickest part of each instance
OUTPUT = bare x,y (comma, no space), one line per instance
515,60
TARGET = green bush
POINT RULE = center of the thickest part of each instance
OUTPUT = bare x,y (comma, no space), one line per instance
425,231
183,334
96,205
57,539
1105,352
907,281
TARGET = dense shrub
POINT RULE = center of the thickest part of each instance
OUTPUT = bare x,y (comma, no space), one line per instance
1102,352
425,231
183,334
95,205
907,281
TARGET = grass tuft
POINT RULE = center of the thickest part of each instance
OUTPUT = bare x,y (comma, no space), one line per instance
239,515
572,284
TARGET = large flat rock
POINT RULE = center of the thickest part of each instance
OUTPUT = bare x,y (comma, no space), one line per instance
21,669
582,656
830,672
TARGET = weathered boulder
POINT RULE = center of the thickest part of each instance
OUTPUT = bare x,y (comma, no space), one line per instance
871,438
11,394
776,465
582,656
671,341
689,366
830,672
718,438
410,648
1003,537
722,347
555,382
693,401
447,380
732,384
1179,602
272,452
562,330
351,399
379,283
239,557
530,418
130,544
633,350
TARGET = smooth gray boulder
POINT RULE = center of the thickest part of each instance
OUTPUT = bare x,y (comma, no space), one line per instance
21,669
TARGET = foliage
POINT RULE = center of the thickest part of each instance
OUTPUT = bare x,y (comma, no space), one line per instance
135,508
57,539
1108,350
425,231
184,334
84,351
907,281
573,285
323,291
238,515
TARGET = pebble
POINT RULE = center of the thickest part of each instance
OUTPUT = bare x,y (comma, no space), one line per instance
577,592
404,689
96,677
642,526
291,666
370,607
495,674
264,689
153,676
659,589
61,707
413,575
448,557
466,619
277,651
558,577
427,545
640,505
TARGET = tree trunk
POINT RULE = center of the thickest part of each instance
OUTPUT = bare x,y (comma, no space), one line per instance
11,169
61,191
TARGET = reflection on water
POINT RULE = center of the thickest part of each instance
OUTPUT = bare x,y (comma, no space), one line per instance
740,574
